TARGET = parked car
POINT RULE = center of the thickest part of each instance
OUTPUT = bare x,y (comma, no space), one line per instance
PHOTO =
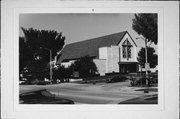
43,82
153,78
138,81
22,82
116,79
40,82
41,96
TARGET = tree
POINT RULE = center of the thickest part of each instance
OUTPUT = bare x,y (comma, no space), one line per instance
146,25
39,40
62,73
85,66
151,57
34,50
25,54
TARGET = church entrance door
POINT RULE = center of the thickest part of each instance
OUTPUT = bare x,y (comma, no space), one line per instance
128,67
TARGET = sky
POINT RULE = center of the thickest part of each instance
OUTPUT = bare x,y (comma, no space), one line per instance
79,27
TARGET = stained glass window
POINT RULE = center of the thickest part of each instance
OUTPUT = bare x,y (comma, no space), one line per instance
126,49
124,52
129,51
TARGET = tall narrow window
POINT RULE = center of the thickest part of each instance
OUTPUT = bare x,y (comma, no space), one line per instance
124,52
129,52
126,49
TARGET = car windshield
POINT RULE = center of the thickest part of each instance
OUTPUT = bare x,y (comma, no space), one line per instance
46,93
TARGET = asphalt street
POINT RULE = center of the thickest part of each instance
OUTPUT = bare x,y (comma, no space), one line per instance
100,93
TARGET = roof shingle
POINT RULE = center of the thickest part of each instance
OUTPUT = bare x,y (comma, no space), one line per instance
89,47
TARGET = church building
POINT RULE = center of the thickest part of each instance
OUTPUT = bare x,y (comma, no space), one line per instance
114,53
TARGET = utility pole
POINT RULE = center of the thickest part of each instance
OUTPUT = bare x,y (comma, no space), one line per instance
146,64
50,55
146,59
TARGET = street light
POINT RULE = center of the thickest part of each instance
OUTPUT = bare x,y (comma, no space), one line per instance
50,59
146,63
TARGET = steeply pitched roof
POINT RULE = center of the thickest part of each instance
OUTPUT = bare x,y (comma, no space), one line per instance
89,47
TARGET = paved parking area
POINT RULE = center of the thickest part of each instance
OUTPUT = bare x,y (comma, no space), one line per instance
99,93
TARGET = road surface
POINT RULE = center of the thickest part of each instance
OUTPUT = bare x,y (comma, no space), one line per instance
100,93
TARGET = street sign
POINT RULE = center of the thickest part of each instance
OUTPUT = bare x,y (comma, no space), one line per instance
147,66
